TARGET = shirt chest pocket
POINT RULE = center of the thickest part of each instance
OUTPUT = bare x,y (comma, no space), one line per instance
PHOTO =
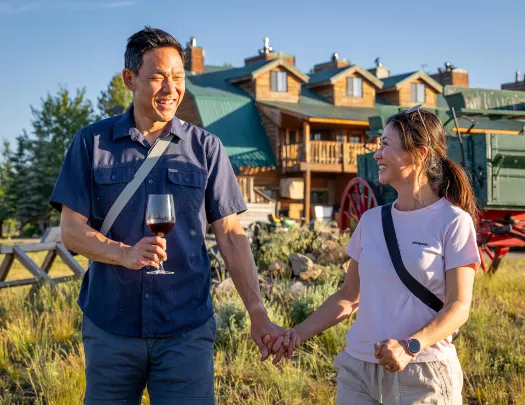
109,184
188,189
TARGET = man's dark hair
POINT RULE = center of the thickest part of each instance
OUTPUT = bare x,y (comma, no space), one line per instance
145,40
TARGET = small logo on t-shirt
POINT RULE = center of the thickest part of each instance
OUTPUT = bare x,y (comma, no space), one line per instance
420,243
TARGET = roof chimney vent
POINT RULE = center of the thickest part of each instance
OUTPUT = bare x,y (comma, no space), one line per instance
448,66
335,57
267,48
378,62
518,76
193,42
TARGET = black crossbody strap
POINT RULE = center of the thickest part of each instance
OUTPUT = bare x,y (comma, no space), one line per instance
421,292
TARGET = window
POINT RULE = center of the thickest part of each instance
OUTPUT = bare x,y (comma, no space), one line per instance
417,92
355,139
354,87
278,81
340,138
316,137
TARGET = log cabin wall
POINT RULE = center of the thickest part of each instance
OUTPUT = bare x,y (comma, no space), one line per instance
263,90
341,98
390,96
187,111
248,86
404,95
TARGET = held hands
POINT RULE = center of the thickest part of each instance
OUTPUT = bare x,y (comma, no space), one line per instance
392,355
284,345
149,251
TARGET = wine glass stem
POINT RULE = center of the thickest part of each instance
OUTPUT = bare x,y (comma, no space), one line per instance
161,267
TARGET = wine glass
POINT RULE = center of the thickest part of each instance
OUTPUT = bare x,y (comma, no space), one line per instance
160,219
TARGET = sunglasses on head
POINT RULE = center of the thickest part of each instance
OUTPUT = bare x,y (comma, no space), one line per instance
414,109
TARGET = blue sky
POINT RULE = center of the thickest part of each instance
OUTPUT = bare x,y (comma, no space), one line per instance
80,43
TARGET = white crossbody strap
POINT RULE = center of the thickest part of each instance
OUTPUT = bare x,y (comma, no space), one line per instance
144,169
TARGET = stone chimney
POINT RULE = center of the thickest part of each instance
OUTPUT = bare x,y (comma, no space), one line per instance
194,56
267,53
380,71
335,63
517,84
451,76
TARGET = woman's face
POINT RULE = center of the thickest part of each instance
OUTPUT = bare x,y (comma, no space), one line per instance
396,165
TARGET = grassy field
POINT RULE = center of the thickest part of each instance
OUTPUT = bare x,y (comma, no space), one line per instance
41,358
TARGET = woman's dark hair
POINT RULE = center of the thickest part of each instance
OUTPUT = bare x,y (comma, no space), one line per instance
146,40
418,129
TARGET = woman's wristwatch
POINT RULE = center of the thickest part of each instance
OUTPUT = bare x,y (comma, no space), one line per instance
412,345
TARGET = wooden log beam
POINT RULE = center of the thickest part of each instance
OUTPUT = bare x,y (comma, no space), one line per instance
30,247
48,261
307,192
30,265
68,259
6,266
29,281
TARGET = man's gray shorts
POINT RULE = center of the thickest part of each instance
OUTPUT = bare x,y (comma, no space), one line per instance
177,370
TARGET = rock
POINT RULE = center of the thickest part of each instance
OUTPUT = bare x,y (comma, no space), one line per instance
225,287
312,257
296,289
279,268
337,255
311,274
327,235
300,263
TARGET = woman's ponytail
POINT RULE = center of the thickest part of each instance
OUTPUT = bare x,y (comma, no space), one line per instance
456,187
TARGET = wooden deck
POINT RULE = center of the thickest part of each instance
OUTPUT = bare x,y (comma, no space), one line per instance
323,156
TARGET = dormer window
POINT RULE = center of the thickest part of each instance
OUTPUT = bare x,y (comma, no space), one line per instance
279,82
354,87
417,92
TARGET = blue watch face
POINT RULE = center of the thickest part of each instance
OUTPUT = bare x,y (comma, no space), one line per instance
414,346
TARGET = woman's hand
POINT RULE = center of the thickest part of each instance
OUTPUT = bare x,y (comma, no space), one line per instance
285,345
392,355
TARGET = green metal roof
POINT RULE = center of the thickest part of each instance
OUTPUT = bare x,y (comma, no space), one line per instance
325,110
228,112
325,75
393,80
484,99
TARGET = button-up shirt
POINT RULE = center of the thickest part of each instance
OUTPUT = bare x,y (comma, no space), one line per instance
102,159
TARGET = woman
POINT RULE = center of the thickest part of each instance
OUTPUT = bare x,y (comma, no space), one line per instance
400,351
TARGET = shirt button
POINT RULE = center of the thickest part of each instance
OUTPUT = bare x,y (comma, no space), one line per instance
113,177
147,295
147,267
187,180
150,181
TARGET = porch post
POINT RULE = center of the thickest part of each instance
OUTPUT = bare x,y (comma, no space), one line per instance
307,191
306,140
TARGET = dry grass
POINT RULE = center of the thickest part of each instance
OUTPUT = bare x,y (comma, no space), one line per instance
41,358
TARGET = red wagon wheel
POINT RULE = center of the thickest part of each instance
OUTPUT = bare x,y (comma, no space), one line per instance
358,197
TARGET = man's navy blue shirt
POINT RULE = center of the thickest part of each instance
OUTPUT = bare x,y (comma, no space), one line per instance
195,168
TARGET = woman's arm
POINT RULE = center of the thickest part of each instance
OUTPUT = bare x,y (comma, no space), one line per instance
459,284
339,306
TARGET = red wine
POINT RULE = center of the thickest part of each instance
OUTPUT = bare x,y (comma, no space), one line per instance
161,228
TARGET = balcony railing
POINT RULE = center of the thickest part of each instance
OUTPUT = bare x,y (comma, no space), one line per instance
324,153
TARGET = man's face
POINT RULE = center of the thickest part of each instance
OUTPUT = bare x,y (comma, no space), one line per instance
159,86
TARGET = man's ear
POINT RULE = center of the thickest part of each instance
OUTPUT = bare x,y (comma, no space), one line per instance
129,79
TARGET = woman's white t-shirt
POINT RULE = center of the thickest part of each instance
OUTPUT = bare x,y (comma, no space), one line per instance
432,240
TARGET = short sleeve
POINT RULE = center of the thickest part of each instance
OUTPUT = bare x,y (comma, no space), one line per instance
223,195
461,248
354,246
73,186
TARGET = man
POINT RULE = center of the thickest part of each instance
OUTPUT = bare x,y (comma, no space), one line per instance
141,329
